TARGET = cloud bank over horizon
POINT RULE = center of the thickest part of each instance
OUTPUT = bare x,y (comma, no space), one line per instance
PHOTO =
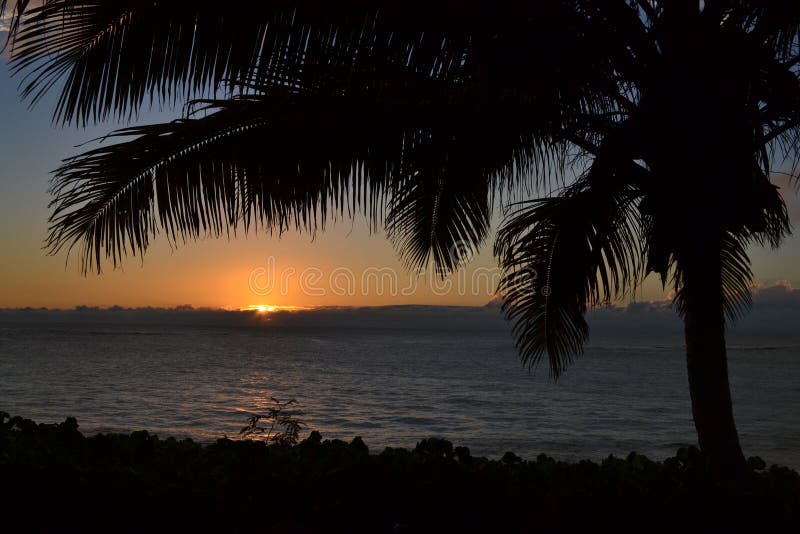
775,311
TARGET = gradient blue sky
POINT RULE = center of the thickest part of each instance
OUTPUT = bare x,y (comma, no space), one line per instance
213,272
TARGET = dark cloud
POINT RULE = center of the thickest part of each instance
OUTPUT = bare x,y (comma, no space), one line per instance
776,309
342,318
777,296
635,317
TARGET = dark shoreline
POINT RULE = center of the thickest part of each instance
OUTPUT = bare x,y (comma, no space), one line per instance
138,482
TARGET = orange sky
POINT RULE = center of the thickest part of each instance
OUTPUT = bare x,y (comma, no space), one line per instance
236,273
345,266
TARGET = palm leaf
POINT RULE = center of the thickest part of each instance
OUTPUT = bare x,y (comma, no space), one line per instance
283,159
12,12
777,24
468,155
762,219
733,298
113,56
562,254
267,160
440,212
384,113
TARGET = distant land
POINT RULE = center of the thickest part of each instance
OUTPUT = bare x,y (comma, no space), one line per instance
775,311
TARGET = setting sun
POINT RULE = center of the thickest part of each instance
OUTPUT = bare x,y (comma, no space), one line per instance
269,308
260,308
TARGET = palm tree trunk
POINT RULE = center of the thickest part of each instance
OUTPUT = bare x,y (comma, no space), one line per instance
707,365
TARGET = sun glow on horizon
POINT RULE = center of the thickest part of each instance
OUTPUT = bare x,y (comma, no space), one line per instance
269,308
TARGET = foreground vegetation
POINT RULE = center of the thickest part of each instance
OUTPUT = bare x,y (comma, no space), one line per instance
54,478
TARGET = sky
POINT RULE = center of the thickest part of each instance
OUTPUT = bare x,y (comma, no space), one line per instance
344,266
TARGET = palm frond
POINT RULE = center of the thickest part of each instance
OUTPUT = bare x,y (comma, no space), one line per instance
12,13
267,160
467,155
285,158
751,211
114,56
384,108
735,277
440,212
111,55
769,223
783,146
777,24
565,253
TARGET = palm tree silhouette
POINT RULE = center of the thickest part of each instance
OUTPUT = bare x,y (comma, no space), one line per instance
669,115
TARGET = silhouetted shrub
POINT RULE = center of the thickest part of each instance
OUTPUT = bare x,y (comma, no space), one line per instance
52,478
279,424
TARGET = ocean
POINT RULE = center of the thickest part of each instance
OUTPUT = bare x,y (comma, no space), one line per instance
392,376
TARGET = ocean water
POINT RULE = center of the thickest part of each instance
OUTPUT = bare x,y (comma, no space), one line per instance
392,381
